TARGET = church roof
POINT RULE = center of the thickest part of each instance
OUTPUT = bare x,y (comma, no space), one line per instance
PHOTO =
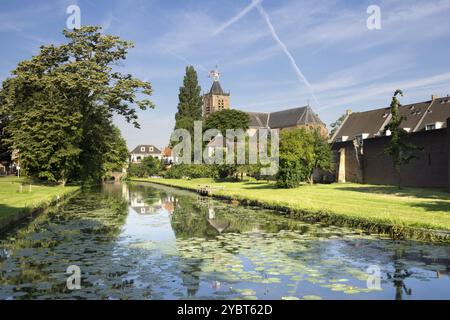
292,117
285,118
258,119
216,88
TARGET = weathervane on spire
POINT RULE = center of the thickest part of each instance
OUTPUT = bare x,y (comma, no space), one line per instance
215,74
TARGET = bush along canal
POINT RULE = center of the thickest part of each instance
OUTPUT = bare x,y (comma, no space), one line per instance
144,241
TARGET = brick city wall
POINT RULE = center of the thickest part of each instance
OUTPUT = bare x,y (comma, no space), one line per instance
430,168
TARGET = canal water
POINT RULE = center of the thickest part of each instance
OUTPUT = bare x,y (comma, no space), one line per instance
136,241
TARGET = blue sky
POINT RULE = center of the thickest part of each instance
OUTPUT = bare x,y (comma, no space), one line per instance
341,63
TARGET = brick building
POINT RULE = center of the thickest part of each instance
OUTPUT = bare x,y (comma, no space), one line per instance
359,143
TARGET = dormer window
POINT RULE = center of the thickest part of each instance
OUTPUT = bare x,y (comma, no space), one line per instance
342,139
150,149
388,133
360,137
433,126
142,149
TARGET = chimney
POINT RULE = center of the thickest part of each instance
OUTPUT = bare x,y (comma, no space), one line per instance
348,112
433,97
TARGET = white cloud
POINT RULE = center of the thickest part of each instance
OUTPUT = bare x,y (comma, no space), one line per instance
364,93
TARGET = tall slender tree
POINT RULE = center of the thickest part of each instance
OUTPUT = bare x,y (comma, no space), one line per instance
398,148
190,101
335,125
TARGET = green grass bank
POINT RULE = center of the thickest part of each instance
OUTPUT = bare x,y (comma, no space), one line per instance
18,200
413,213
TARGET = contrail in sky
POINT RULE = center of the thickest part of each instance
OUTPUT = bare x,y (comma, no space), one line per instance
297,70
237,17
265,16
178,56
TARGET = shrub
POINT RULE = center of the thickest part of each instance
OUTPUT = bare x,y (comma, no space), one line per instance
189,170
148,167
301,151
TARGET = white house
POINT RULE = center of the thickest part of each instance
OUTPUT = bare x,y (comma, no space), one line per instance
144,150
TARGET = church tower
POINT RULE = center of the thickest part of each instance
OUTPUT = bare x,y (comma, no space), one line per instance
216,99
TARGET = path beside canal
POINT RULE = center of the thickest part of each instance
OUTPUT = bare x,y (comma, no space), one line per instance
414,213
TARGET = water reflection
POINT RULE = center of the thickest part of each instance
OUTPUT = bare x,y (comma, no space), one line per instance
134,241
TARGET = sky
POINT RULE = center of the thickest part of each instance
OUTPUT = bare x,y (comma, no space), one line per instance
272,54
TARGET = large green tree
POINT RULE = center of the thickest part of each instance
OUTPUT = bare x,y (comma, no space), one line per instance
400,150
227,119
117,156
61,102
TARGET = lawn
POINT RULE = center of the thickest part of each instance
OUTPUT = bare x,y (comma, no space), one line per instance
14,200
407,207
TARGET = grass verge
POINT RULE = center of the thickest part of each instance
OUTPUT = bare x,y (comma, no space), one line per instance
417,213
18,200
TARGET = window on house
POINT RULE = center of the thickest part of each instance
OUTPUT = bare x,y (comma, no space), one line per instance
142,149
150,149
430,127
